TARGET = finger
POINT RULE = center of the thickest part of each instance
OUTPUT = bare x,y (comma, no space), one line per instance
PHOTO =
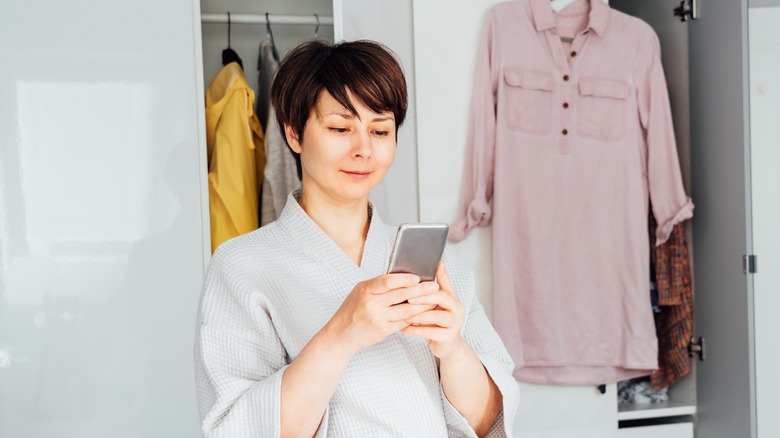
445,300
443,277
439,318
388,282
403,294
430,333
403,312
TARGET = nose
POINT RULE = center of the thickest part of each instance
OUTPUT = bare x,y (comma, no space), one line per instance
361,145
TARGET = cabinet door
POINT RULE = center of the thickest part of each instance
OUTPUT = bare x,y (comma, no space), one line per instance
765,188
719,169
102,227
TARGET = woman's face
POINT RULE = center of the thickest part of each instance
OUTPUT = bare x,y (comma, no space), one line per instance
343,156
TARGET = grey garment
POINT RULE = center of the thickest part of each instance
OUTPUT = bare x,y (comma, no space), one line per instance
268,292
267,64
280,176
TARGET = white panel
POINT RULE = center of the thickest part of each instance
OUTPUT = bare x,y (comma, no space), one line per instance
681,430
765,174
396,197
446,36
101,220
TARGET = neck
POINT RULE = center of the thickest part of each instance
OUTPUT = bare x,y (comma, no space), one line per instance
344,222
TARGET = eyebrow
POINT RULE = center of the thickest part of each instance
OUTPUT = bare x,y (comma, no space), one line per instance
348,115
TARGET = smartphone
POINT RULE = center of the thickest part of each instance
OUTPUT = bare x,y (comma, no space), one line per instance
418,249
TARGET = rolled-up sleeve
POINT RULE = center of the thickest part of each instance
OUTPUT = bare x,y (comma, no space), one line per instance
477,183
667,195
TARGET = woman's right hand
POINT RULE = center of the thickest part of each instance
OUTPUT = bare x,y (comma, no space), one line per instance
377,308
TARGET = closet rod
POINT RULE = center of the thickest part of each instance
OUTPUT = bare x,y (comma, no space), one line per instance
260,19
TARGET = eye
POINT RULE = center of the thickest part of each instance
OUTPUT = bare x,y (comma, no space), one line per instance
382,133
339,130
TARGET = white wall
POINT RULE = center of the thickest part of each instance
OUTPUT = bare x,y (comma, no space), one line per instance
101,227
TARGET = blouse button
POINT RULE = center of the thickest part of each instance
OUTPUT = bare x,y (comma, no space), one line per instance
565,131
565,77
565,105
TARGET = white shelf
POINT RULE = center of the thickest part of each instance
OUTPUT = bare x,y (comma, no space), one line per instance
671,408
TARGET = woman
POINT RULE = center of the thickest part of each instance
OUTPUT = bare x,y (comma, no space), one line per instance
301,333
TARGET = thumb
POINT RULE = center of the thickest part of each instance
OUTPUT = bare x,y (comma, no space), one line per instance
443,278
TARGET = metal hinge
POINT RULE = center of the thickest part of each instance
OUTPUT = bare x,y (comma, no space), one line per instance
688,10
749,264
696,347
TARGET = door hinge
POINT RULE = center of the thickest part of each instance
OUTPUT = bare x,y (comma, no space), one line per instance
749,264
696,347
688,10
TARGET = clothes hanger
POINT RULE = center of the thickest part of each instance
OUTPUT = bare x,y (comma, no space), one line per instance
317,29
229,55
270,35
559,5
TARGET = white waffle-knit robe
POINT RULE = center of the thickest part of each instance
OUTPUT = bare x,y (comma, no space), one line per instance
267,293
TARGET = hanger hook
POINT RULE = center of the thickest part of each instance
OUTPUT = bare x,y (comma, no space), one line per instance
268,26
228,29
317,29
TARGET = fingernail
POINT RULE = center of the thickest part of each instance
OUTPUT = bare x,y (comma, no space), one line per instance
433,287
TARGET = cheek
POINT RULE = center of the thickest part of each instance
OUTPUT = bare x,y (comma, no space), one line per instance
386,155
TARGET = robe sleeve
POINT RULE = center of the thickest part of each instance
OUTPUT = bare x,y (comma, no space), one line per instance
239,359
483,339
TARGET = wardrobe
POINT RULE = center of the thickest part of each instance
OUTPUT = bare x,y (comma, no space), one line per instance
104,225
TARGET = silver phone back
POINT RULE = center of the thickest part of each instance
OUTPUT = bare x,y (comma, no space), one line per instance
418,249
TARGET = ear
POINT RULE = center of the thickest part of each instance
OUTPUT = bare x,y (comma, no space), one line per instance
292,139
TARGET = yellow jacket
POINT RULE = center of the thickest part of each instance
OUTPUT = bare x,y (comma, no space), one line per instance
236,155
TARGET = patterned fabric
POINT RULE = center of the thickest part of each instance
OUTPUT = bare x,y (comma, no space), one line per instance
674,324
269,291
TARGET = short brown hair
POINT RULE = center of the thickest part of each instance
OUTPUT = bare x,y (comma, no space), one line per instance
367,68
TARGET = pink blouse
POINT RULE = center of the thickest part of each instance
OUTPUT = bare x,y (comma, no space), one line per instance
570,141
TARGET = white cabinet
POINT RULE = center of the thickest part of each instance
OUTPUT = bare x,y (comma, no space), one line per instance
102,229
679,430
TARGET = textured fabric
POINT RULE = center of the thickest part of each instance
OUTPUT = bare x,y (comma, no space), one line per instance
235,154
569,144
674,323
265,296
267,63
281,173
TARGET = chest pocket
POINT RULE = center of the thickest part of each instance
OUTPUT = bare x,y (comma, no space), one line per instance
603,108
528,100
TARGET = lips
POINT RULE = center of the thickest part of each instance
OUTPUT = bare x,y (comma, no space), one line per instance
357,174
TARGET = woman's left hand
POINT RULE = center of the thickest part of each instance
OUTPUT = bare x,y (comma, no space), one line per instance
440,326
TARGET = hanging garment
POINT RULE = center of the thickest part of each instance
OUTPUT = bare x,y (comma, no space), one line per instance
281,173
674,323
280,176
267,63
235,155
258,312
569,145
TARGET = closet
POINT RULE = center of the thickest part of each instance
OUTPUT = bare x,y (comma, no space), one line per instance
104,235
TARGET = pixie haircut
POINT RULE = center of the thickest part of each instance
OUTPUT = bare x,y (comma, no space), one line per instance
367,69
